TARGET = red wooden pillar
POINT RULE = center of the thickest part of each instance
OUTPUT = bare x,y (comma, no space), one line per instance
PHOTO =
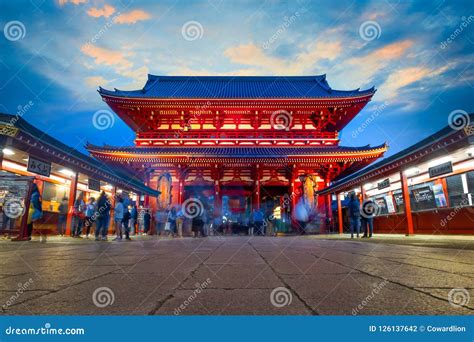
256,192
406,200
147,197
339,214
72,199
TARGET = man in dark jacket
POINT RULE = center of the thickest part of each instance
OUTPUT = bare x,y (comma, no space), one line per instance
354,214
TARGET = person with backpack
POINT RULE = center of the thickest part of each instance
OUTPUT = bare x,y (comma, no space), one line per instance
103,215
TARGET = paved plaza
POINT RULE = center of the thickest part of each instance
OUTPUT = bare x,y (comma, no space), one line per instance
237,275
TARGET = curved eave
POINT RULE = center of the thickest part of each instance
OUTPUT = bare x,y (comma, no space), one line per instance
118,154
342,95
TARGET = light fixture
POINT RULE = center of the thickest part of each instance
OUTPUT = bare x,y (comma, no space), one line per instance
108,187
412,171
8,152
67,172
439,161
470,151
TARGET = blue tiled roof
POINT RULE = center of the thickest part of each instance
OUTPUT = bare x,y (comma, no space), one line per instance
237,152
237,87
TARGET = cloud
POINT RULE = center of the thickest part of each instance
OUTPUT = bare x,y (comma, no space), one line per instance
401,78
304,61
95,81
133,17
107,57
105,11
74,2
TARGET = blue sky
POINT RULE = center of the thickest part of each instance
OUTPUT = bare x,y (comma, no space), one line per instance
62,50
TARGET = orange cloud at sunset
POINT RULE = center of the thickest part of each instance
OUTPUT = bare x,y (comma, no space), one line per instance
133,17
106,57
106,11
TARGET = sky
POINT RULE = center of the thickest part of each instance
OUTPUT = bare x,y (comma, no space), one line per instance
419,55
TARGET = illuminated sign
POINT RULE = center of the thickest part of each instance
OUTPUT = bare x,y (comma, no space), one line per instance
93,184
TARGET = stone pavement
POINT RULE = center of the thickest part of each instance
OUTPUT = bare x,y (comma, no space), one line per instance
235,275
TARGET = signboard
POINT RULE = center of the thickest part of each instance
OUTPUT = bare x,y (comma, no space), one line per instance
383,184
423,194
441,169
39,166
93,184
8,130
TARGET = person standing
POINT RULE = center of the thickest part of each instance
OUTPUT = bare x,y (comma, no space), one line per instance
78,216
62,217
367,218
35,211
125,222
118,217
90,210
103,215
172,215
354,215
133,219
146,222
258,221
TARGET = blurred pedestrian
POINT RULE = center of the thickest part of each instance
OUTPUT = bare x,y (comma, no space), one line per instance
118,217
89,220
35,211
62,216
78,216
179,221
367,218
146,222
172,216
302,212
354,214
125,222
133,219
102,215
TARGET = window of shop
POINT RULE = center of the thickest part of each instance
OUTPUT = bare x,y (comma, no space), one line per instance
460,189
399,204
422,197
52,195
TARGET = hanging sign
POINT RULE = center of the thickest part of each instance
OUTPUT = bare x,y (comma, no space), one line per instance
93,184
39,167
